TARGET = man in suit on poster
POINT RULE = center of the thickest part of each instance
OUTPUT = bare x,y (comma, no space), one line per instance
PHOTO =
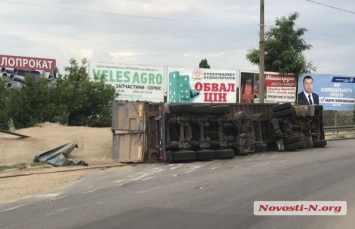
307,97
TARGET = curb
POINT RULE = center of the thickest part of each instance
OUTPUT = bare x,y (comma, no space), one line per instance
62,171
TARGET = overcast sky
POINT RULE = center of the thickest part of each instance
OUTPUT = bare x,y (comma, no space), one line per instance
172,33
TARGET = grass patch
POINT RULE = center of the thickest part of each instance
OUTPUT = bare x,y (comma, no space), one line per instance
17,166
42,163
22,166
6,167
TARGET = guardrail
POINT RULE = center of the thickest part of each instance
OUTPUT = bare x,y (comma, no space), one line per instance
339,128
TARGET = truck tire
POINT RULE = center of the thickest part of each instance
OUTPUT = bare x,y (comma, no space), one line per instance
281,107
319,143
221,110
201,109
284,113
203,155
290,140
183,156
318,108
180,108
293,146
224,154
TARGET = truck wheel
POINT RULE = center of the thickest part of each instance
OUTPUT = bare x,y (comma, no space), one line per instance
221,110
201,109
284,113
318,108
291,140
183,156
293,146
203,155
180,108
319,143
281,107
224,154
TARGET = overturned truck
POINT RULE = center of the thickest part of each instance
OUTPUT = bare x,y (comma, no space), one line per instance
145,132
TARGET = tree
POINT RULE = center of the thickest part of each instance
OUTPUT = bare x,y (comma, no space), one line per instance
284,47
72,100
82,102
204,64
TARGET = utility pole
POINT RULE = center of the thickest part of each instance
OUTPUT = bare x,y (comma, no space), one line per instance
262,54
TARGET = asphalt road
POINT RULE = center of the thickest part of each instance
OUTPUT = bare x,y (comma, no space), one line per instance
215,194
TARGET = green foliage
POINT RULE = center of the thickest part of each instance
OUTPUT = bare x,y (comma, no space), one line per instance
17,166
204,64
11,125
4,92
73,100
284,47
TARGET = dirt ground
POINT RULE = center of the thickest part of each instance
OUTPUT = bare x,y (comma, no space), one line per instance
26,179
17,154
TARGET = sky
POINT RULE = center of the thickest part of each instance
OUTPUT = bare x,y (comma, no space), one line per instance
172,33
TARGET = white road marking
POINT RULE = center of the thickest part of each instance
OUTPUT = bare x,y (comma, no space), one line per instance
58,198
193,168
13,208
56,212
148,178
176,166
46,196
118,181
197,167
147,174
92,190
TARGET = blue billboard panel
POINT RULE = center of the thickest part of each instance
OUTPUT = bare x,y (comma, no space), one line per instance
334,92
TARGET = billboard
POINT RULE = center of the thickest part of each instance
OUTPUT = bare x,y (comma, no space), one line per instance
27,63
279,88
334,92
132,82
14,69
200,85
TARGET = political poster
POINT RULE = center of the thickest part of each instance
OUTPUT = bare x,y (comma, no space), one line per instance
132,82
334,92
200,85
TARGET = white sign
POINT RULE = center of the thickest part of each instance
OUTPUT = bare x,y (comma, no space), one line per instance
132,82
199,85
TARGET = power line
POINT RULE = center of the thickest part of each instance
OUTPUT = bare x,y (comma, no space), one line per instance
123,15
336,8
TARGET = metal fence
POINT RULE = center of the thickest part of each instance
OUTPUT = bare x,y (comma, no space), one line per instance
338,118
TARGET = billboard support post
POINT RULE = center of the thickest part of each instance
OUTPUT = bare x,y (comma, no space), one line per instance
262,54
